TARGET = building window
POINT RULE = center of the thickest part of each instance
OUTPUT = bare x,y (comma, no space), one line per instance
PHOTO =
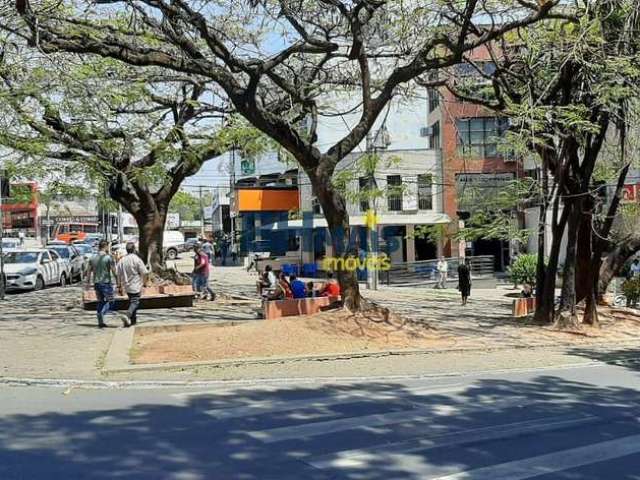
434,99
479,136
365,185
434,138
394,193
425,192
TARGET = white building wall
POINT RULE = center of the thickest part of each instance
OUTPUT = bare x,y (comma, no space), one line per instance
531,224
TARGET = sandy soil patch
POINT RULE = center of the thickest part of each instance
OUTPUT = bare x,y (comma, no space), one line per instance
339,332
333,332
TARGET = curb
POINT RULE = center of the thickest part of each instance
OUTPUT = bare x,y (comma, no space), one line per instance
117,360
153,384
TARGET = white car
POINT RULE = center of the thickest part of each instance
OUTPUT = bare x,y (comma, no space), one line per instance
71,255
34,269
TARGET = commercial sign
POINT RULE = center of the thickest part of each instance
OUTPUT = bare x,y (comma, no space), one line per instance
173,221
631,193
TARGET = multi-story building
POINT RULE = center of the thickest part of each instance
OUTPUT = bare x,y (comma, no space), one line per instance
472,164
407,175
219,212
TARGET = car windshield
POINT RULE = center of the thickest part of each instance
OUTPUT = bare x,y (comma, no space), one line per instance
21,257
83,248
62,251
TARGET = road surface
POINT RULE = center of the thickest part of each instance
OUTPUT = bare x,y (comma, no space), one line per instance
573,423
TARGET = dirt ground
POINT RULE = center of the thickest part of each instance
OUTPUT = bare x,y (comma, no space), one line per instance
339,332
332,332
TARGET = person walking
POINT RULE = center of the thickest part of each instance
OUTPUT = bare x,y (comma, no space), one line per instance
132,276
101,271
224,250
234,253
443,270
201,268
207,248
464,280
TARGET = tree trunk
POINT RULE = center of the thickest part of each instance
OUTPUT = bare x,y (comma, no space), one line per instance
545,308
151,228
567,316
335,212
614,262
540,267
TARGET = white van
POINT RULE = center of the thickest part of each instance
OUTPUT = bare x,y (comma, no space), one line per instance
172,242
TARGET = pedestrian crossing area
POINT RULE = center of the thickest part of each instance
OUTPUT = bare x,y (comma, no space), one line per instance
443,431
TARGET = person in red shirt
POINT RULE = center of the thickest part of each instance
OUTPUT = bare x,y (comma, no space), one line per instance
331,287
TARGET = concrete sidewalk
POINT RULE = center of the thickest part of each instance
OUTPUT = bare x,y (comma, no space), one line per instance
47,335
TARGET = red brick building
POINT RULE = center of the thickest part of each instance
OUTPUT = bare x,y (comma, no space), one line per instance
466,136
20,211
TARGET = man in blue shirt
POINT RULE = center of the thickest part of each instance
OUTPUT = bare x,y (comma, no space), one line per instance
298,287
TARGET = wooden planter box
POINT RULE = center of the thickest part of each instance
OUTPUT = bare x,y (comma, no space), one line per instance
523,307
89,296
176,289
293,307
150,291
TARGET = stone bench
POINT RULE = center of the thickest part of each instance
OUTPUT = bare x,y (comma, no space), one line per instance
290,307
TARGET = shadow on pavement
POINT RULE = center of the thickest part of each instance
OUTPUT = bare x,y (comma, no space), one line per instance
302,433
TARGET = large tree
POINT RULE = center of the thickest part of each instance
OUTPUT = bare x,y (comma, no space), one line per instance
136,131
566,86
295,52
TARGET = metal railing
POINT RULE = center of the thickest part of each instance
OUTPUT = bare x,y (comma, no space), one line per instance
426,271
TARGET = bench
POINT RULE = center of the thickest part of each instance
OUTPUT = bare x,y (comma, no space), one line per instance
166,296
290,307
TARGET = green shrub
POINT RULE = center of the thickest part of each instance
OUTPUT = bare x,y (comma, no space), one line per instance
523,270
631,290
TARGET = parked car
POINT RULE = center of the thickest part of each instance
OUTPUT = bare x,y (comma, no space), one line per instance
173,244
73,257
10,243
34,269
190,243
85,250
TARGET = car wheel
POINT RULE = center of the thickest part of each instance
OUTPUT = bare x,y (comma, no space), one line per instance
39,283
63,280
172,254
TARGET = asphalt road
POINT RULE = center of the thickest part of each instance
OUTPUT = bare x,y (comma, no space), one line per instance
574,423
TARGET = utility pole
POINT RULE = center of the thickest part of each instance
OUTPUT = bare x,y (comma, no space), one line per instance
201,212
120,227
4,191
232,198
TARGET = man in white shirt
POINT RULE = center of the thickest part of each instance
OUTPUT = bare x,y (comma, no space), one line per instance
635,268
132,273
443,270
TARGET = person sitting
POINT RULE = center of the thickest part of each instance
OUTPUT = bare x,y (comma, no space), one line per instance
280,291
297,287
285,285
310,290
331,287
268,280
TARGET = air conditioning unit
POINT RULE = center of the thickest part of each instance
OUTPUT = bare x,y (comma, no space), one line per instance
426,131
